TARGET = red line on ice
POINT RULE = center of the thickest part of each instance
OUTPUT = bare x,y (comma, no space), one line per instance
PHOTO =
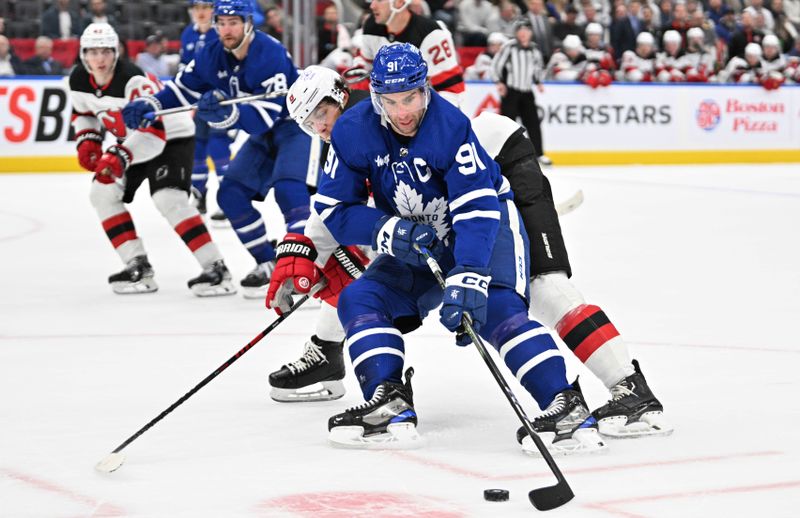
99,508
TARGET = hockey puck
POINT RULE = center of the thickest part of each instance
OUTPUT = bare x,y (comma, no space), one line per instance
495,495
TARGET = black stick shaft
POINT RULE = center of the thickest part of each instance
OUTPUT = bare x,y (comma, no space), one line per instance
498,376
214,374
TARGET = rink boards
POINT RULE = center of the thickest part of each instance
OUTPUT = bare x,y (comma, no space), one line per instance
621,124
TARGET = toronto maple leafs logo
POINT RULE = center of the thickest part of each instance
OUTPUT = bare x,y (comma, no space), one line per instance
412,207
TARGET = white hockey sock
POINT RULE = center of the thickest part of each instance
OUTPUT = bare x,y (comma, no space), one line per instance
183,217
116,220
328,326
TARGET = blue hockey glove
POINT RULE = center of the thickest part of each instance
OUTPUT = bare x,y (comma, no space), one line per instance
466,291
397,237
139,113
210,110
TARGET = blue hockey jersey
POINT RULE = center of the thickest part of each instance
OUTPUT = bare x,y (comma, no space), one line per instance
266,68
192,40
442,177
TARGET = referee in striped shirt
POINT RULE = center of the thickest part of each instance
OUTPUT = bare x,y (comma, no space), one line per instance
515,69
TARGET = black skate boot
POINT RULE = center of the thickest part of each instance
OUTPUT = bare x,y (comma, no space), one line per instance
137,277
566,426
386,421
633,410
220,220
321,363
199,200
256,282
213,281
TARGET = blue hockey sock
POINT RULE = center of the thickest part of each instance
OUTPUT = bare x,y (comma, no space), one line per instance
235,200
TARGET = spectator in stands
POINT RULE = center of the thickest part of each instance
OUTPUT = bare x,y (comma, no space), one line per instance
784,28
649,22
330,33
792,10
60,22
445,12
719,14
10,65
98,13
622,31
152,60
746,33
2,25
568,25
505,18
42,63
273,24
664,15
472,18
589,14
542,31
680,22
757,8
482,67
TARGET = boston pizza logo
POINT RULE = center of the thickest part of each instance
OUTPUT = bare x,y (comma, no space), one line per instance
708,115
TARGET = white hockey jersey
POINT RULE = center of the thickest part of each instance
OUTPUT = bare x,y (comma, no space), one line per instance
669,68
562,68
637,69
95,108
699,66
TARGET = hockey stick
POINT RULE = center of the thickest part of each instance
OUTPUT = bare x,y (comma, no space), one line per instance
354,75
114,460
226,102
544,498
570,204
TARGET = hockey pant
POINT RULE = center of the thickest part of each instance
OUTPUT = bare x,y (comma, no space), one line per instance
169,178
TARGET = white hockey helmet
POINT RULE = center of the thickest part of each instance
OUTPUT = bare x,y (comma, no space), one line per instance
672,36
695,33
99,36
572,42
314,84
770,40
645,38
496,38
753,50
594,28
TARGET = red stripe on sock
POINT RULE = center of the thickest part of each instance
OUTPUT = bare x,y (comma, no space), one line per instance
199,241
595,340
569,321
123,238
188,224
113,221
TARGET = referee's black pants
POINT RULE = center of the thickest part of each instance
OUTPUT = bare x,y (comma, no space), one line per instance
523,105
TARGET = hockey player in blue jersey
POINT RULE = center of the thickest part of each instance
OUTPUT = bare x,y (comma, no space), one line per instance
433,185
244,62
214,144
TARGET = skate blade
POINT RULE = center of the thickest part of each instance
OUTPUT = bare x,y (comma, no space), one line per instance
398,436
146,285
584,441
255,293
204,289
329,391
651,424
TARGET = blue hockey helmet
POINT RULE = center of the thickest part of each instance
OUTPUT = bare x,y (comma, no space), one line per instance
398,67
243,8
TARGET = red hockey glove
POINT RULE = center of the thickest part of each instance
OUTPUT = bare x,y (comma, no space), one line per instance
90,148
603,78
295,271
113,164
772,82
592,79
345,264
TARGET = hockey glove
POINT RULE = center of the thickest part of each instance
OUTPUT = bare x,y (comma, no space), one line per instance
397,237
139,113
90,148
112,164
295,271
466,292
210,110
344,265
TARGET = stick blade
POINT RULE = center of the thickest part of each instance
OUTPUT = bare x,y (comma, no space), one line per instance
110,462
546,498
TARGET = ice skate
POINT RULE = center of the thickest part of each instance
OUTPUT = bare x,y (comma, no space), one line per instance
220,220
387,421
137,277
199,200
256,282
566,427
316,376
215,280
545,161
633,410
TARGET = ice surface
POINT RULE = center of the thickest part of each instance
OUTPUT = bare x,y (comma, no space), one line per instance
697,266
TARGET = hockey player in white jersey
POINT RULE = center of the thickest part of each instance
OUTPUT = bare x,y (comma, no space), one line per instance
774,64
669,62
638,66
390,21
747,70
557,303
569,62
162,154
700,61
